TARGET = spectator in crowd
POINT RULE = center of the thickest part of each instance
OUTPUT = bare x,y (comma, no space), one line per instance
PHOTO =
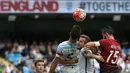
8,49
29,63
21,63
38,55
8,69
54,46
46,61
127,70
26,69
25,50
121,60
34,45
8,46
42,48
15,46
32,56
39,64
20,47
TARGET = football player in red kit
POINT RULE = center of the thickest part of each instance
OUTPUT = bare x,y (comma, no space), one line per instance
110,50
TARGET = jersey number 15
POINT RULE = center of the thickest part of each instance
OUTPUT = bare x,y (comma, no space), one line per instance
113,56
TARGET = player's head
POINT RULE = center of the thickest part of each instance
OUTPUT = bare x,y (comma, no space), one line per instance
107,32
82,41
39,65
75,32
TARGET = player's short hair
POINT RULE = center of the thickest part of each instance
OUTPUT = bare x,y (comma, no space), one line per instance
86,37
75,32
38,61
108,30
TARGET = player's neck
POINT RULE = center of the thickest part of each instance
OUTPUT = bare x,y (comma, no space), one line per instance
39,72
72,41
111,37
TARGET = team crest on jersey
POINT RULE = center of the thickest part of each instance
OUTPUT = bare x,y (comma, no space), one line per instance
69,53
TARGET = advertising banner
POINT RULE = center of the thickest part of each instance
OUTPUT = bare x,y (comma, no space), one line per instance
64,6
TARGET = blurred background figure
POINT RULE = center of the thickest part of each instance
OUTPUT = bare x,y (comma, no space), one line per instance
42,48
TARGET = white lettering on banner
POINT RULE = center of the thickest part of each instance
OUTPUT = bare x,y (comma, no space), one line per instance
64,6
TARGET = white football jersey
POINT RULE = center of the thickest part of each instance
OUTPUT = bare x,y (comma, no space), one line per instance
86,65
67,51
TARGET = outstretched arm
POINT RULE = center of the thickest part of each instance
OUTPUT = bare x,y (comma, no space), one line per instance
55,61
92,44
88,53
53,65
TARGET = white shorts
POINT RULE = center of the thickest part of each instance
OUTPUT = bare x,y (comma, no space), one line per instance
70,69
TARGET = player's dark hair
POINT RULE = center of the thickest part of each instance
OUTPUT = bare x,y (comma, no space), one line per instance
38,61
86,37
75,32
108,30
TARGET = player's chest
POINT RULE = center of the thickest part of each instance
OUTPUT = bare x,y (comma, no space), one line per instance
70,51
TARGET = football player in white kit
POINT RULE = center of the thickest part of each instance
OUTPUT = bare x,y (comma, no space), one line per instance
86,60
67,51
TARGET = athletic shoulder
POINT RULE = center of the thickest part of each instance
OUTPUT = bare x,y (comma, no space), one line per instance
60,48
103,42
63,44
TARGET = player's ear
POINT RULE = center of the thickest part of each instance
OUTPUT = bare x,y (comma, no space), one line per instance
106,34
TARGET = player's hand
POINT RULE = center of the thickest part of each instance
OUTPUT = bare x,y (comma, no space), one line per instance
100,58
87,50
75,60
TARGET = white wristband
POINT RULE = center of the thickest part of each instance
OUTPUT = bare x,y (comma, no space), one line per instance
97,43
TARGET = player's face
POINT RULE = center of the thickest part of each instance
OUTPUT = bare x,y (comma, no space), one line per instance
81,42
40,67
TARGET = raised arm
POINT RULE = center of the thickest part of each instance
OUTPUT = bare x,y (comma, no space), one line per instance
53,65
55,61
88,53
94,44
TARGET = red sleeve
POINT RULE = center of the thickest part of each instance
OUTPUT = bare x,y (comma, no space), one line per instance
103,42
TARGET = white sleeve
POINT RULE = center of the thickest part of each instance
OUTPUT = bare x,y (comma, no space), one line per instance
97,43
59,51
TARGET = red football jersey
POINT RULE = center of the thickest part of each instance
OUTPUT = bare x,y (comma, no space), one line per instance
110,52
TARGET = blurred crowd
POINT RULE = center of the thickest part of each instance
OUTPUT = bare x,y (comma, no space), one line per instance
22,55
